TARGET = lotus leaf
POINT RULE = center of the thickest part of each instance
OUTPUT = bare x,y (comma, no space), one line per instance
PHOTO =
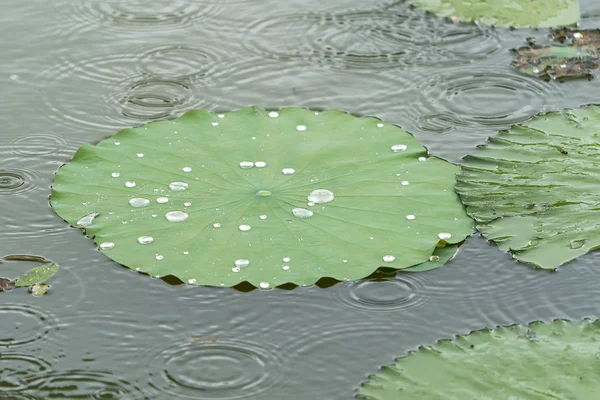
534,188
539,361
37,275
514,13
575,56
264,197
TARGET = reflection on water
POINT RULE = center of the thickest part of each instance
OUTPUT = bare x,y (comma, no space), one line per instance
103,332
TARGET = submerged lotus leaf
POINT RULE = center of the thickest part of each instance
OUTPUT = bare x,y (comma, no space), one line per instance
534,188
515,13
539,361
574,56
264,197
37,275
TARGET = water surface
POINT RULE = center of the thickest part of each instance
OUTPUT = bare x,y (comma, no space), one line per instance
74,72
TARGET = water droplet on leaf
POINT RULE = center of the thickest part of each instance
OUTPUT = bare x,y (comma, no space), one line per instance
241,263
107,245
88,219
288,171
129,184
138,202
320,196
176,216
398,148
245,228
178,186
246,164
388,258
145,239
302,213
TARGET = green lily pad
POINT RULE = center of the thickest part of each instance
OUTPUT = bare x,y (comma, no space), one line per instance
539,361
37,275
533,189
264,197
575,56
513,13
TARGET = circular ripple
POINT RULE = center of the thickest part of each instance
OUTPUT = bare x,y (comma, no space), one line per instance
153,99
84,384
10,181
368,39
488,97
181,61
400,293
106,69
16,367
13,181
25,324
37,145
140,14
217,370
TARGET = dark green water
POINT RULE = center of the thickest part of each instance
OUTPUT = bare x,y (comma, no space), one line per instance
74,72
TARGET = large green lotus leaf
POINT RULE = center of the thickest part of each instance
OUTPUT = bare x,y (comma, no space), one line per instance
515,13
539,361
181,197
534,189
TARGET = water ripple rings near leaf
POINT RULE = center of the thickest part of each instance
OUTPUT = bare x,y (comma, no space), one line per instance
367,39
213,368
392,202
85,384
533,188
401,293
468,97
37,144
505,362
153,99
28,324
514,13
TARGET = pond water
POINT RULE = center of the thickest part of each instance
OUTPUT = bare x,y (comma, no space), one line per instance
75,72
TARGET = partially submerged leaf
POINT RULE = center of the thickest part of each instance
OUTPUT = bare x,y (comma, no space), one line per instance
38,289
513,13
6,285
539,361
534,188
37,275
263,197
576,55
